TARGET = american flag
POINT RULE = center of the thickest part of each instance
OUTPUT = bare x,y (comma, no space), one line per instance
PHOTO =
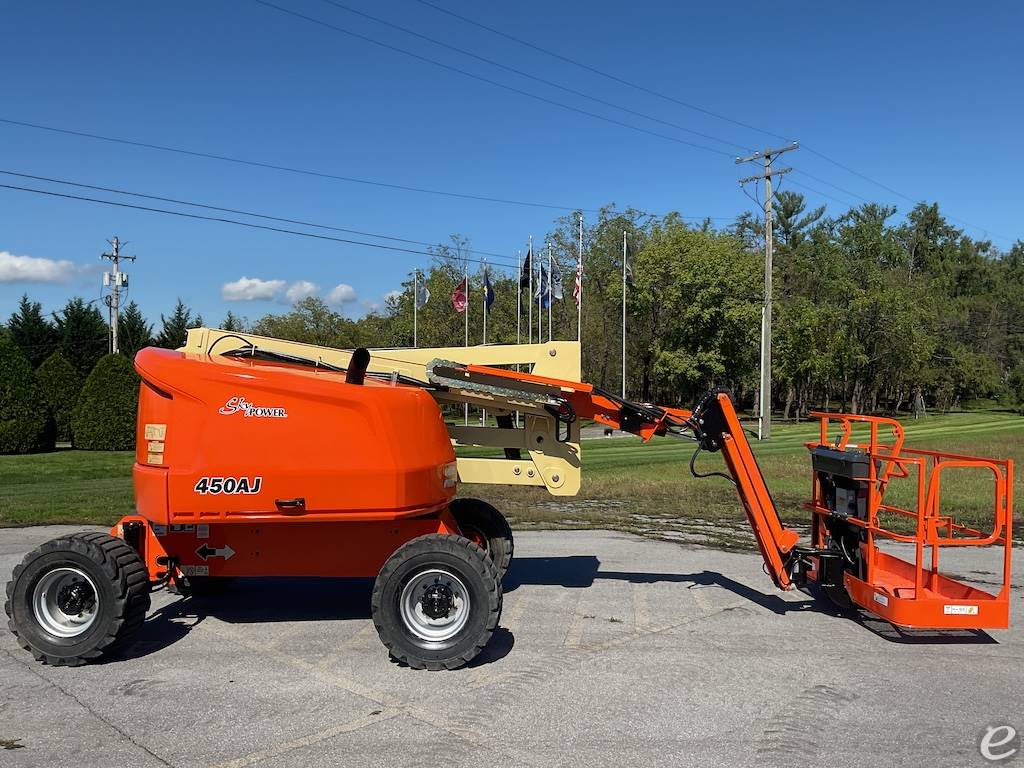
577,289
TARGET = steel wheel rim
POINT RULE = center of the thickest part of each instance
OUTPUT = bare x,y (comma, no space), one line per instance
57,596
418,622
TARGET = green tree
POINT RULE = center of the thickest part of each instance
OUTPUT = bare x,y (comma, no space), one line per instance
26,424
31,332
104,416
84,336
61,384
134,333
174,329
697,309
232,322
792,224
1015,387
311,321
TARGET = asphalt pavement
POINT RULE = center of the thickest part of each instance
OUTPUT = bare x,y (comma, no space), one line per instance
613,650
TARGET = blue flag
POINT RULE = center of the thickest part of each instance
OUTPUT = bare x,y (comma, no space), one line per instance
544,288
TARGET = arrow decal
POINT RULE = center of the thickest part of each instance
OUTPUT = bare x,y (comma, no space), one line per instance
206,552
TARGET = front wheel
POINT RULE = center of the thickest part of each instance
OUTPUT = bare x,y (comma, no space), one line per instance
436,602
74,598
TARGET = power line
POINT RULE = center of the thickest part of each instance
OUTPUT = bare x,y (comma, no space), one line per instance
905,197
858,173
307,172
208,207
235,222
826,195
487,80
710,113
602,73
521,73
834,186
286,169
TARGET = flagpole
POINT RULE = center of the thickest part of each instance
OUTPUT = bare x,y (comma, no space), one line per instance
540,301
483,306
579,276
550,295
415,305
623,314
519,296
529,296
519,308
465,275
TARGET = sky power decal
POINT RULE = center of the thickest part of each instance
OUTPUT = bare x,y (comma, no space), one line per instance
241,405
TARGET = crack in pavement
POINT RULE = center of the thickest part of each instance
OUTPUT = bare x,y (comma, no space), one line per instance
121,732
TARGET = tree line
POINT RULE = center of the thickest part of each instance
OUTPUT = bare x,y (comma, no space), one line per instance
871,313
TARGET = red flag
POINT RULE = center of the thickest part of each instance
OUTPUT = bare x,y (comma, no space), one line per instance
459,300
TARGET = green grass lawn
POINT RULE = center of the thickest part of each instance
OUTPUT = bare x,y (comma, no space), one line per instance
648,488
66,487
626,485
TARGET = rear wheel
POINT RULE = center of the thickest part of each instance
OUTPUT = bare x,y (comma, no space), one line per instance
76,597
486,527
436,602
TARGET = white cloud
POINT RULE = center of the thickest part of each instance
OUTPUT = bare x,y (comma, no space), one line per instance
391,295
251,289
342,294
32,269
300,289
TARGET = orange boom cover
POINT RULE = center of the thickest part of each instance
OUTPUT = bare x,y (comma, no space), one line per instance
224,439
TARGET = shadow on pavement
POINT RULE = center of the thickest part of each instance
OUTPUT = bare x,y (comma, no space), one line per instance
581,571
263,600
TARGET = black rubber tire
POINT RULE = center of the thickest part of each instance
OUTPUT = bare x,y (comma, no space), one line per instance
122,584
479,520
477,572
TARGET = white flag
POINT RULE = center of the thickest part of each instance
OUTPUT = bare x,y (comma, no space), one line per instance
422,295
556,281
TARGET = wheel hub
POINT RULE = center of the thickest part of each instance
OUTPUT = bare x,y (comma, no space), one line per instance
65,602
438,601
434,605
75,598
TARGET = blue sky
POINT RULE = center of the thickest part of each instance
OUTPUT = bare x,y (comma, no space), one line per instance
923,97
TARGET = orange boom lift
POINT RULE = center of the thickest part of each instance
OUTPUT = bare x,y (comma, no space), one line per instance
257,462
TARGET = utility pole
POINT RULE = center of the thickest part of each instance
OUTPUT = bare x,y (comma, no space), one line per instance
625,257
115,279
764,422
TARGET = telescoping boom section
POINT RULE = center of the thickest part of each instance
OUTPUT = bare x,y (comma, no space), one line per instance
865,549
